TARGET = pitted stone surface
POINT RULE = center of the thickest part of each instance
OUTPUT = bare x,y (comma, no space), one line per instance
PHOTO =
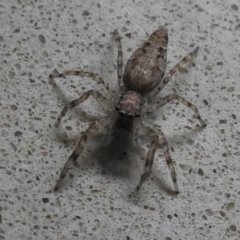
97,200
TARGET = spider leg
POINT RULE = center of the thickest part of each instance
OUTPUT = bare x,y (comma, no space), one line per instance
81,144
171,97
164,143
82,73
178,67
119,61
84,96
157,137
149,161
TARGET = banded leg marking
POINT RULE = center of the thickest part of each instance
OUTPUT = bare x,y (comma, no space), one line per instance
82,98
119,60
172,97
157,137
82,73
81,144
178,67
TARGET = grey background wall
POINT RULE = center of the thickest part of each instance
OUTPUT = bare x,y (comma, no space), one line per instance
97,199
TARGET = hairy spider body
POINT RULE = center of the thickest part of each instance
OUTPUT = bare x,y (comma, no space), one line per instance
143,78
130,104
147,65
129,108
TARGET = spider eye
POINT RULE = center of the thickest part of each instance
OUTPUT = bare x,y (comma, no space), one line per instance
122,114
137,114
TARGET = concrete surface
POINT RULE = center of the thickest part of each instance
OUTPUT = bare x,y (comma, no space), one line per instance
97,199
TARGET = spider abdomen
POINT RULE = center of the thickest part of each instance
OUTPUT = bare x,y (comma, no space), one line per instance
146,67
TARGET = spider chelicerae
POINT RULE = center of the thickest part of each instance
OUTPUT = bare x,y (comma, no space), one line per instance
143,78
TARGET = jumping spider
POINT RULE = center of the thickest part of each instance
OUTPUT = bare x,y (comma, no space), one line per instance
143,78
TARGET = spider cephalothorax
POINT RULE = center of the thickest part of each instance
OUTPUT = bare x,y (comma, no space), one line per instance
131,104
144,75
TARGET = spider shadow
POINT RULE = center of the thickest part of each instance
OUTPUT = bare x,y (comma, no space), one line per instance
181,138
117,154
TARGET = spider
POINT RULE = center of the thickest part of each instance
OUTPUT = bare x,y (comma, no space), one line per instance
144,77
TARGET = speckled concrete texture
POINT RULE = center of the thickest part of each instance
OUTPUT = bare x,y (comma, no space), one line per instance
97,200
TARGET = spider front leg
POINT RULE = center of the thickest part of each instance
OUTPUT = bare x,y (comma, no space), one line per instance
171,97
82,73
119,60
178,67
157,137
81,144
84,96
